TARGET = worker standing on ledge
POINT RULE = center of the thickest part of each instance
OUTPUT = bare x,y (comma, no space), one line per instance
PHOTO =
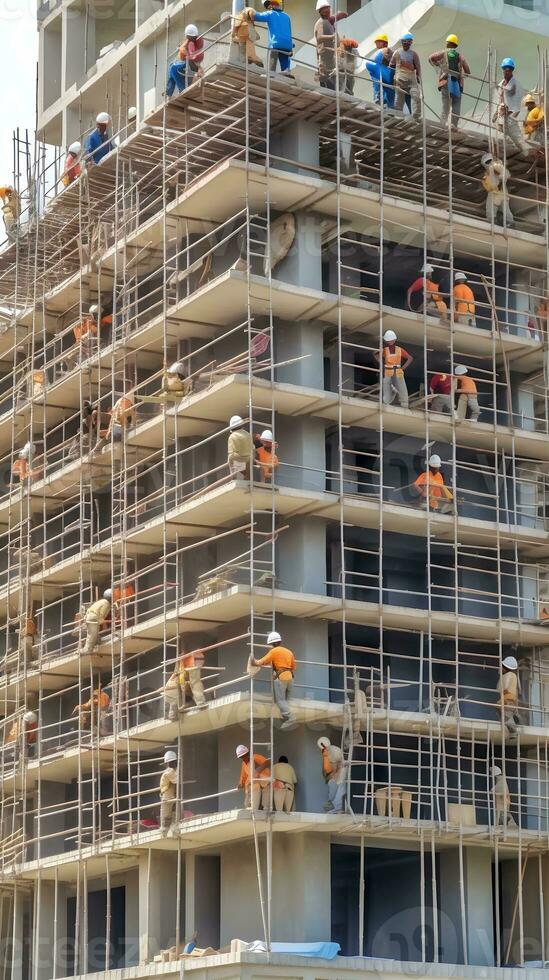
502,800
96,614
494,183
11,210
509,106
396,360
533,125
467,394
98,144
95,708
334,772
381,74
284,784
452,68
72,164
256,786
432,490
244,35
325,38
240,448
442,387
508,690
187,65
407,76
281,44
266,456
168,791
464,301
284,666
187,676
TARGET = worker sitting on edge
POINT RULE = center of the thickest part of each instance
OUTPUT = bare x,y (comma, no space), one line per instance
494,182
395,362
442,387
508,689
431,301
464,301
168,791
334,772
11,210
534,125
279,27
432,490
95,709
266,456
244,35
240,448
186,67
72,164
186,678
467,394
256,786
96,615
381,74
284,666
452,68
284,784
98,144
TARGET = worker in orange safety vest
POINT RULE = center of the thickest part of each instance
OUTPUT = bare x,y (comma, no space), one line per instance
266,456
431,301
464,301
256,784
431,489
467,394
395,362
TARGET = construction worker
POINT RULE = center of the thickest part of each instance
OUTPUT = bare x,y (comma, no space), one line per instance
168,791
284,666
381,74
96,615
442,387
533,126
89,427
87,330
494,182
508,688
98,144
266,456
95,708
186,678
407,76
431,489
509,106
175,380
396,360
123,599
21,466
464,301
284,784
121,416
431,301
244,35
334,772
23,734
347,59
502,800
325,38
467,394
240,448
11,210
185,69
256,786
279,27
27,633
72,164
452,68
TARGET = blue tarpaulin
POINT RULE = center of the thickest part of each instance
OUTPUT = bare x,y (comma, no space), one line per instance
326,951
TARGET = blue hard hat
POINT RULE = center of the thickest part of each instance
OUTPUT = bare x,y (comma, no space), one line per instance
507,63
407,37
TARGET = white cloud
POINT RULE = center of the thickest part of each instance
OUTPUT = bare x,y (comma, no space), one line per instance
19,47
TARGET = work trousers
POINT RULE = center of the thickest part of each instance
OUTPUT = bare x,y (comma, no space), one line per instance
239,469
452,102
336,793
504,818
512,129
283,797
467,318
28,649
388,94
393,385
442,403
92,626
282,691
493,209
167,807
468,400
511,718
443,506
279,57
180,74
407,87
257,797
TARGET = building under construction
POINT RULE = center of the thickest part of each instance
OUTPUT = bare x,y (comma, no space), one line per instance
262,232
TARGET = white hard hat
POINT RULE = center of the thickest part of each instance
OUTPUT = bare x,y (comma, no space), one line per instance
94,309
389,335
435,460
176,368
486,158
274,637
235,421
266,435
323,742
241,750
27,451
103,117
191,30
170,756
460,369
107,594
496,771
30,717
75,148
460,277
132,112
511,663
428,269
322,3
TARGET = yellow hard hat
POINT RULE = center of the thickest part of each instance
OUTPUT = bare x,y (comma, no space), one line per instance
381,37
452,39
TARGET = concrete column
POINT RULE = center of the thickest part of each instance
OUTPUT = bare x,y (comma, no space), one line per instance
157,903
298,142
476,947
45,940
131,955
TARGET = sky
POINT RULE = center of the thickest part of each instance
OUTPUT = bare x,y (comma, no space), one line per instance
19,53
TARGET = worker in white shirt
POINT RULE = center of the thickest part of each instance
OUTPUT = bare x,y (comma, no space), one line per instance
494,182
285,781
509,106
96,615
334,771
508,689
168,791
240,448
502,800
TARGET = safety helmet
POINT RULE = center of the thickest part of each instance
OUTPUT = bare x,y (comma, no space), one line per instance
75,148
170,756
322,3
323,742
508,63
94,309
132,112
107,594
274,637
30,717
528,98
103,117
241,750
407,37
435,461
511,663
460,277
452,39
486,158
389,335
496,771
428,269
176,368
27,451
266,436
235,421
191,30
460,369
381,37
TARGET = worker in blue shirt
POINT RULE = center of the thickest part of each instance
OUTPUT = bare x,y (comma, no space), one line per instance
279,26
382,76
98,143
